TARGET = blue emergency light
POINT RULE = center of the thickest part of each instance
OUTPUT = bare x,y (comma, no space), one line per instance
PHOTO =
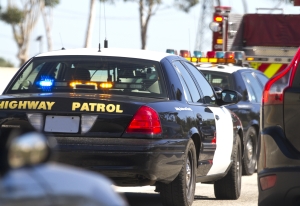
46,83
197,54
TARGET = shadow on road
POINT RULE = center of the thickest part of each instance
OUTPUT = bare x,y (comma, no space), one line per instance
138,199
199,197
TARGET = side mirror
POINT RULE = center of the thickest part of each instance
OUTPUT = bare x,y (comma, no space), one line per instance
29,149
218,91
230,97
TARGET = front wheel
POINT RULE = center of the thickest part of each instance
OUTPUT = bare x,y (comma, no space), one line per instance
181,191
229,187
250,145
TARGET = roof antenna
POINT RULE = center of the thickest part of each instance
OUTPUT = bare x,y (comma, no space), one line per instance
63,48
99,27
105,41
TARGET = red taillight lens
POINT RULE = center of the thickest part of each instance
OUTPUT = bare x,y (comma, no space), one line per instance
274,88
146,121
267,182
214,140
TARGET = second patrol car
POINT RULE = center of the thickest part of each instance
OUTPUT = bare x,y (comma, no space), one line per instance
139,117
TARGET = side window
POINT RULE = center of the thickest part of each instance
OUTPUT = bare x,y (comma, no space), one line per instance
188,82
253,85
208,93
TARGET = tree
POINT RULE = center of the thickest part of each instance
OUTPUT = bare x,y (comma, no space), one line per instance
5,63
90,24
22,21
47,13
147,9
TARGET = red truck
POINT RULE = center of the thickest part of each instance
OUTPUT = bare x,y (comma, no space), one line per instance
268,40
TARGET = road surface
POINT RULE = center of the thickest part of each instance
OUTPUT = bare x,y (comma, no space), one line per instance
204,195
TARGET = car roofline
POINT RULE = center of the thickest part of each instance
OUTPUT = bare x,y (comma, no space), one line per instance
112,52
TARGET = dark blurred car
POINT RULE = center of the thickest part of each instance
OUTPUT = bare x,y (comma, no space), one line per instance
278,168
249,83
27,178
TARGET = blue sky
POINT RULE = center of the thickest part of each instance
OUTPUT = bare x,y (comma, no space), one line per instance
169,28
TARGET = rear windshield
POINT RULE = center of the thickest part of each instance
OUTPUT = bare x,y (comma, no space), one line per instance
218,79
108,75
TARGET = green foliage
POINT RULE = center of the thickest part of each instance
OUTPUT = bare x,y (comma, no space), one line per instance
12,15
185,5
5,63
51,3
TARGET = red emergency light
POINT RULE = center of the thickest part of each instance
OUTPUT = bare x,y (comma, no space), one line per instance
229,55
211,54
185,53
218,18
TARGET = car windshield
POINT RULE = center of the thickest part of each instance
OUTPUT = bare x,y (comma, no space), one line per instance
218,79
88,74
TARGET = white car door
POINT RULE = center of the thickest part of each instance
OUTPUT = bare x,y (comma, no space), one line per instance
224,140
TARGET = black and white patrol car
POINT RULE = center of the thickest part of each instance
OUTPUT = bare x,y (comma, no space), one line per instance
139,117
250,83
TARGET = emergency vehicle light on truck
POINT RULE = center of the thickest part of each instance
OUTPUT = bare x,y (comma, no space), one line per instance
218,18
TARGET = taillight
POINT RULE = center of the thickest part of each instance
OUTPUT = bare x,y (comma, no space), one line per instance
274,88
214,140
267,182
87,121
36,120
146,120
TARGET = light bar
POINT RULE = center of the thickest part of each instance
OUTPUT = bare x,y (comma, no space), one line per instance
73,84
197,53
211,60
106,85
120,86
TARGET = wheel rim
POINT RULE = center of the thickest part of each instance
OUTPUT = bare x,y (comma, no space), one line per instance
189,167
188,174
249,147
238,168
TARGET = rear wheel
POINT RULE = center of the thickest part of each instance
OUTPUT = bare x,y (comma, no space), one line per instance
250,157
229,187
181,191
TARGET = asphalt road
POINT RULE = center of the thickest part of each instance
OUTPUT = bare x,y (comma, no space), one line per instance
204,195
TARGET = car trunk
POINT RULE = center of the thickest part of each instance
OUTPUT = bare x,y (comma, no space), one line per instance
71,114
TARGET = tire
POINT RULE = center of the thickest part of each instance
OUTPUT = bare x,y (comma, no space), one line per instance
181,191
250,154
229,187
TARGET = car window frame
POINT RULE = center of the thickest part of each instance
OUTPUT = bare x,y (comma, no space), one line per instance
186,84
198,84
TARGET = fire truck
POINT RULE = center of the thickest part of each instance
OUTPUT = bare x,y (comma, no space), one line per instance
269,41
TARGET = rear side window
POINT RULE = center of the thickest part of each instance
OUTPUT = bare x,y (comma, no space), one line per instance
206,88
108,75
188,83
253,86
218,79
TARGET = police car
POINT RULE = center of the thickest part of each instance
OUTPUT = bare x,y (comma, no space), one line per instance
249,82
138,117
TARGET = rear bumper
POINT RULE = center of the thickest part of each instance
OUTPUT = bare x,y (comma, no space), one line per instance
278,157
286,190
126,161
